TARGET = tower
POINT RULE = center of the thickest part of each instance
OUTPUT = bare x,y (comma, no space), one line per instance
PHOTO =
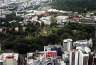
83,58
74,57
67,44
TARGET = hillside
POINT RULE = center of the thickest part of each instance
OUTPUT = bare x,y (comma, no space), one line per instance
75,5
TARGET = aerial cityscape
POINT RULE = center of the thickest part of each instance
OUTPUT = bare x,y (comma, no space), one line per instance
47,32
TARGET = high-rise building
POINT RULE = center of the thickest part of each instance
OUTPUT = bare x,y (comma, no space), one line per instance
74,57
67,44
83,58
78,57
91,58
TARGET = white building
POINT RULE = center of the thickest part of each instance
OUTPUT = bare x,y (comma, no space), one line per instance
33,58
1,2
13,55
35,18
16,29
49,47
22,0
25,3
46,20
78,57
73,57
6,2
83,58
85,48
9,58
88,43
62,19
67,44
29,58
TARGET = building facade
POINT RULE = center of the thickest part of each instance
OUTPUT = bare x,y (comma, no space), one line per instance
74,57
83,58
67,44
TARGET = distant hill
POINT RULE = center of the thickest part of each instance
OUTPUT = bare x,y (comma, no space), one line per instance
75,5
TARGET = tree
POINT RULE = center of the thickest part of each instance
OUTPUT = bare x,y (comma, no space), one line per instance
12,16
76,5
53,21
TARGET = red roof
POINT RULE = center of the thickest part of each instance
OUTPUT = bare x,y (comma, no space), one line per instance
10,57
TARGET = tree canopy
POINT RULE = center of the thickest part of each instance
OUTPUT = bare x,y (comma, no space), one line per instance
74,5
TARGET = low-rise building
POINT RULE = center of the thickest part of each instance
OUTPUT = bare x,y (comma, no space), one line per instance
46,20
88,43
62,19
51,47
9,58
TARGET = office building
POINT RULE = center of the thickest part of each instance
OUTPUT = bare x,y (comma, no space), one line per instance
74,57
83,58
67,44
91,58
78,57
